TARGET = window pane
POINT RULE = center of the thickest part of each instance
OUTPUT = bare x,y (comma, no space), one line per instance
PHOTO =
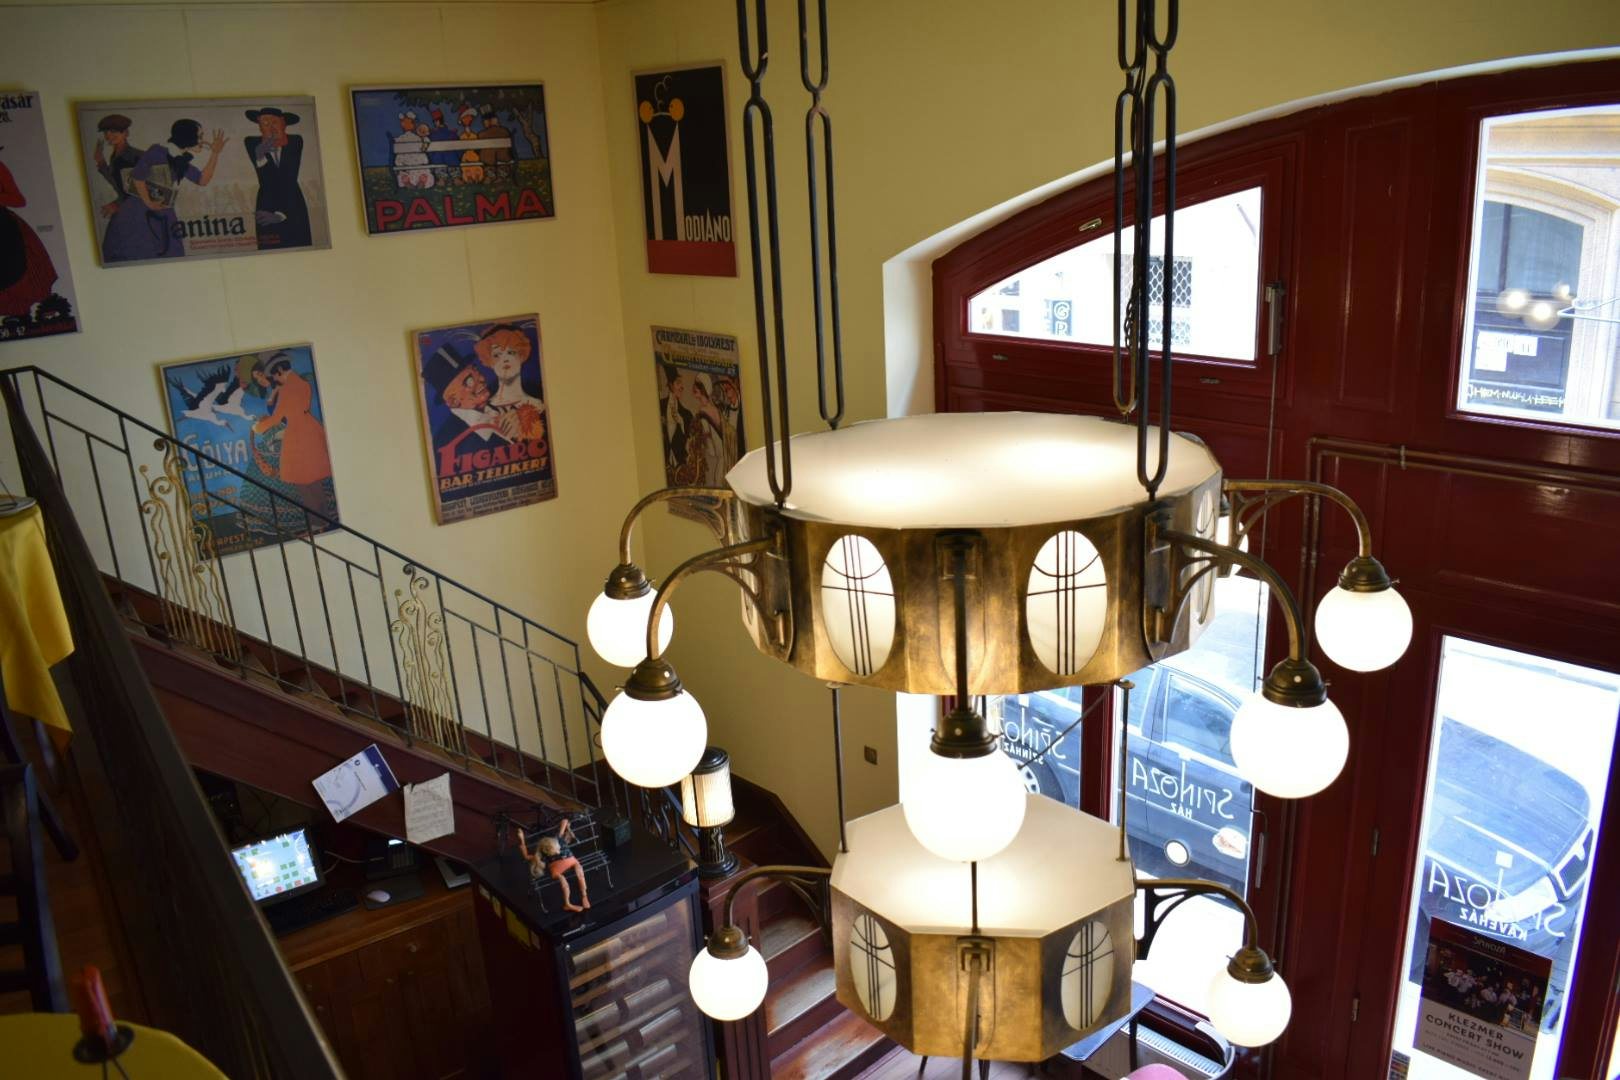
1214,286
1188,813
1542,326
1041,733
1517,774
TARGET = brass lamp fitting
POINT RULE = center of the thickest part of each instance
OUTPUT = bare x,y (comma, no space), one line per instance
653,680
626,582
1365,574
1250,965
728,943
1295,683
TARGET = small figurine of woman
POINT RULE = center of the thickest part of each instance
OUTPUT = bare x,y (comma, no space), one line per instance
553,857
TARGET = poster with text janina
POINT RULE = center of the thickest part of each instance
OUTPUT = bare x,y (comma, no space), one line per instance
259,415
1481,1003
36,288
484,417
436,156
685,177
204,178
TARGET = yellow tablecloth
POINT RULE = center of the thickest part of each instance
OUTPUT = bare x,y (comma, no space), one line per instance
33,627
39,1046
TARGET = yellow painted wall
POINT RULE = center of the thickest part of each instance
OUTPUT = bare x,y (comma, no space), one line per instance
357,301
943,109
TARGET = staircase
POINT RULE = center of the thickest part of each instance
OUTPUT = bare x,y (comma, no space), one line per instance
808,1034
274,663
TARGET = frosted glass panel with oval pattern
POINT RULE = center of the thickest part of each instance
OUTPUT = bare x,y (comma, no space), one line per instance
1067,605
857,604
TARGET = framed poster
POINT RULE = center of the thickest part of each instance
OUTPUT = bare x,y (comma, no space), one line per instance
484,417
685,175
259,413
436,156
36,287
204,178
699,409
1481,1003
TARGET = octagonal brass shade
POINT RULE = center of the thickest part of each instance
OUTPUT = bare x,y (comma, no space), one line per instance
1059,946
1050,602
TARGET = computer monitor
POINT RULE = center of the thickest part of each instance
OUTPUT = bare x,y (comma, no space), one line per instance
278,867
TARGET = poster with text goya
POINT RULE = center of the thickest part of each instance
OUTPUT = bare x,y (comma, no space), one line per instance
432,157
1481,1003
36,287
685,176
204,178
259,414
484,417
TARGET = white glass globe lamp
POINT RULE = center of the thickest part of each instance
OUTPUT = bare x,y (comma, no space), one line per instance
617,622
1249,1003
728,978
1512,301
654,732
1289,740
1541,315
1363,624
965,809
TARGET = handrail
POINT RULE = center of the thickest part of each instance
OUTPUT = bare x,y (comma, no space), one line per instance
210,970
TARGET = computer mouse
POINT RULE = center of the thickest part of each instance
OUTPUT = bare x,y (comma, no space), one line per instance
379,896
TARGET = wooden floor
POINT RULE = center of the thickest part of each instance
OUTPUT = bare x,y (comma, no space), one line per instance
902,1065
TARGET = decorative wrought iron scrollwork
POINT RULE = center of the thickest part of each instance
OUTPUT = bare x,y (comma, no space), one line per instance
424,660
189,583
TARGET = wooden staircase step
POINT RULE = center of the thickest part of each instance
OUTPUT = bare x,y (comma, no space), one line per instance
800,1005
790,940
841,1050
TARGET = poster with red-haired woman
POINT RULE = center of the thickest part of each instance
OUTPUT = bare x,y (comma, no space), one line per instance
36,290
484,417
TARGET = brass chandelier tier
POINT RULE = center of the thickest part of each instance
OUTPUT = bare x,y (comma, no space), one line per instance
975,554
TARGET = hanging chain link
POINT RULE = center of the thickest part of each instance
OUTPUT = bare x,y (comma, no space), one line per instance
1136,111
817,117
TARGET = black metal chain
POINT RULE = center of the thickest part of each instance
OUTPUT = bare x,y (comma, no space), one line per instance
1135,119
755,56
818,112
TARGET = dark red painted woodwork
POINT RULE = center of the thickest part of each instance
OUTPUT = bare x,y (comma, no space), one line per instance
1499,530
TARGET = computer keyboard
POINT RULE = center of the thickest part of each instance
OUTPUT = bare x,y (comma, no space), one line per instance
311,908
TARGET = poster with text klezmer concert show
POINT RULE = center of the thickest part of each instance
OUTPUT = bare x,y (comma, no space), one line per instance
432,157
484,415
36,289
685,177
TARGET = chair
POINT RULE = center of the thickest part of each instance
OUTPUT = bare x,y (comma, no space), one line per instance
34,930
586,843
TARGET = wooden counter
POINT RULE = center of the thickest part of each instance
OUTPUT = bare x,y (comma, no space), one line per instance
400,991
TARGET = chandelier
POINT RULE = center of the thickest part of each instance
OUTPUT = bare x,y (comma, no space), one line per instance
975,554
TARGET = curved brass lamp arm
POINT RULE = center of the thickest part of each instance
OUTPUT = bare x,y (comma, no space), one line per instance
789,872
661,496
705,561
1190,887
1276,490
1280,591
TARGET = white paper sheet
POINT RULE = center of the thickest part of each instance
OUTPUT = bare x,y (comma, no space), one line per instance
429,813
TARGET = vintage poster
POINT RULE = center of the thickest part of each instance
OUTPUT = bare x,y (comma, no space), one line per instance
260,414
1481,1002
203,179
36,287
436,156
484,416
685,176
699,409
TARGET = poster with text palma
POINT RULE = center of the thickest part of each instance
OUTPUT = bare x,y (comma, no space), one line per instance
484,416
259,416
203,179
432,157
36,289
685,174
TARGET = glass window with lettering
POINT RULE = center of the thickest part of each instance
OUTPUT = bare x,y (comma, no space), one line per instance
1518,773
1187,812
1542,325
1041,732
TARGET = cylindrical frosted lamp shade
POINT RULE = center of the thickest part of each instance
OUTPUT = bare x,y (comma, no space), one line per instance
706,791
1249,1014
728,989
